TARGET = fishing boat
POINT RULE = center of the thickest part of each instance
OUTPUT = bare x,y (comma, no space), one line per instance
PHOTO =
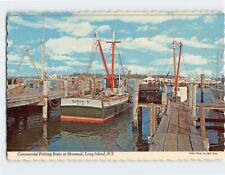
104,105
217,92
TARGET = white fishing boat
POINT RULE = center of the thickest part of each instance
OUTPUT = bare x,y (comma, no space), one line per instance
103,106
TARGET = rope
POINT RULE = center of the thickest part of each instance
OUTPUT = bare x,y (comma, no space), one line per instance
51,105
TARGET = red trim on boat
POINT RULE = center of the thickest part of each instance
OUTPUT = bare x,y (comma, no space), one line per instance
85,119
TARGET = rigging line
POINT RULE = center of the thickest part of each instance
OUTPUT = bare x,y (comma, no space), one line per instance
92,56
121,63
19,64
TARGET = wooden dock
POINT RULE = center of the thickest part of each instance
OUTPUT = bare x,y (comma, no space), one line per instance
176,131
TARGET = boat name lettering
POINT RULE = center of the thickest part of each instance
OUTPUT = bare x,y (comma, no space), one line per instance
80,101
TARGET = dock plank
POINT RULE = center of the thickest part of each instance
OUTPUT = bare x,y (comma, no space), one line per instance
184,143
176,131
196,143
173,124
170,142
183,123
163,126
158,142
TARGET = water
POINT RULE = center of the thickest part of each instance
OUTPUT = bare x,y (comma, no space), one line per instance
26,132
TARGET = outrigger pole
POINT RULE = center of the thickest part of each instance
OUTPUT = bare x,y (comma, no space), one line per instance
103,59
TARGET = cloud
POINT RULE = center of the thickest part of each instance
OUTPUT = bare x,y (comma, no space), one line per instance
60,68
67,25
66,45
136,17
209,19
194,59
103,28
220,42
61,58
186,59
145,28
13,57
161,43
192,42
143,43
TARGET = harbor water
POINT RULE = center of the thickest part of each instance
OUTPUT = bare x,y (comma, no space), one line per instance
27,132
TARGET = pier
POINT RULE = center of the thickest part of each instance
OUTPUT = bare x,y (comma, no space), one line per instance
42,93
176,131
173,127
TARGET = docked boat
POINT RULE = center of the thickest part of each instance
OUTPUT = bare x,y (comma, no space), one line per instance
217,92
101,106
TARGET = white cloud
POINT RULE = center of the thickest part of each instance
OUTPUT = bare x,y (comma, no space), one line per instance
193,59
10,43
67,25
192,42
59,68
143,43
76,63
143,28
186,59
65,45
13,57
137,17
103,28
61,58
220,42
209,19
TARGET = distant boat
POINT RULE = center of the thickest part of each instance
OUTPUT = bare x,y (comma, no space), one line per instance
100,107
218,93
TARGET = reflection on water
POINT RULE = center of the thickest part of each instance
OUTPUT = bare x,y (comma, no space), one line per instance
26,131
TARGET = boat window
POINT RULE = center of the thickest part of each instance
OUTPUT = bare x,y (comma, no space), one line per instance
31,85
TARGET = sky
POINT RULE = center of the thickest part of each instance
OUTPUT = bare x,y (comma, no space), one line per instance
145,42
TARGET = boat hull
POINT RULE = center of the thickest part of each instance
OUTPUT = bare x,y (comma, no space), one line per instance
90,110
218,96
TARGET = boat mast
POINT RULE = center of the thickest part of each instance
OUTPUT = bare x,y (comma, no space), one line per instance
42,54
113,45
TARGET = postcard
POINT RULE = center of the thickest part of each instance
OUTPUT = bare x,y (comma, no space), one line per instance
115,85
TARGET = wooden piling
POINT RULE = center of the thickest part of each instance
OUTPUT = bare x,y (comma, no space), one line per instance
203,128
202,123
189,95
153,120
135,104
140,121
45,100
194,102
65,88
202,87
164,98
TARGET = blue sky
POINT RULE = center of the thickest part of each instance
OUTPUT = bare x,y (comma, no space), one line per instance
145,48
